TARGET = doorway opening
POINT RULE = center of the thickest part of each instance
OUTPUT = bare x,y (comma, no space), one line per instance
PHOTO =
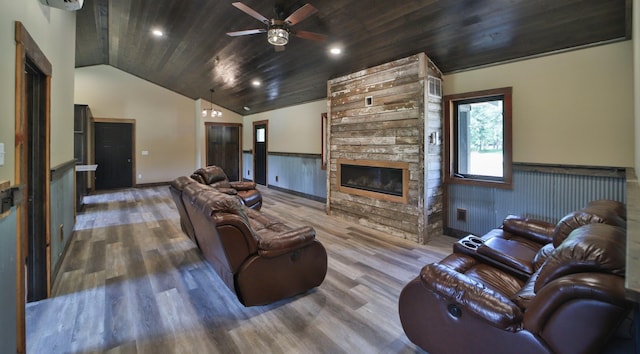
37,256
260,145
224,148
113,148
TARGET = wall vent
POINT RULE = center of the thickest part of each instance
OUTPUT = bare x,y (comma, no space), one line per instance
434,86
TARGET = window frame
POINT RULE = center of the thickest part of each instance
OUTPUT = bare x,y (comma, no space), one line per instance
451,138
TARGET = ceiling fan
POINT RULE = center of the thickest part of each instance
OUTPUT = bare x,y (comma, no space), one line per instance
278,29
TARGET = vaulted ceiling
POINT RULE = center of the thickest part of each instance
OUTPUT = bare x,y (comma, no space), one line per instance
195,54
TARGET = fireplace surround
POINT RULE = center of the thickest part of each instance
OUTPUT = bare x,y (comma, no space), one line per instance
386,180
388,131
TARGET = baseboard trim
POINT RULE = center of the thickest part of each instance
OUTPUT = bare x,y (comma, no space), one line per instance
155,184
299,194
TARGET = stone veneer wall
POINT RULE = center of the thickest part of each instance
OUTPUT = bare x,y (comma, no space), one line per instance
395,127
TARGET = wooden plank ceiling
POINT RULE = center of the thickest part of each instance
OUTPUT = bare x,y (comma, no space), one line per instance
196,55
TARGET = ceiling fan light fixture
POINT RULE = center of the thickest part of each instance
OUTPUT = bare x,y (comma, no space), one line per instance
278,36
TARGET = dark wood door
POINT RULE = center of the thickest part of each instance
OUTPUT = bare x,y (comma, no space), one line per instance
36,189
114,155
223,148
260,152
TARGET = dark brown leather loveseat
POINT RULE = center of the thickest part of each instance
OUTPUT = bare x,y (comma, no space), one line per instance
571,302
520,245
260,259
214,177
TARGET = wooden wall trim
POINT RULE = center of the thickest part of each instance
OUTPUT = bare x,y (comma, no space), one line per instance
60,169
603,171
113,120
294,154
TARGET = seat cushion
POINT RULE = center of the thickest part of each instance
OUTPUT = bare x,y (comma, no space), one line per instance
494,278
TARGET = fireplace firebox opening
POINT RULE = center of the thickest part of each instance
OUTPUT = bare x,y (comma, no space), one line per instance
386,180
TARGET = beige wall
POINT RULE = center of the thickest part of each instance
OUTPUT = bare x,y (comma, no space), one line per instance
292,129
165,120
569,108
54,32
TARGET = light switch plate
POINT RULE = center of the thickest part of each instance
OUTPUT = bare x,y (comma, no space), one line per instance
1,154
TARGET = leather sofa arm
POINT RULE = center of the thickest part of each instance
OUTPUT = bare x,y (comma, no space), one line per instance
589,288
230,191
538,231
278,244
468,294
242,185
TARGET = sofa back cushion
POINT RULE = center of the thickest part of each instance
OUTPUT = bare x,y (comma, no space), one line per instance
213,176
588,215
617,207
590,248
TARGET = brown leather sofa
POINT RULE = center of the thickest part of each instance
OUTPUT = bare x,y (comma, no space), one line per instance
176,187
215,177
260,259
571,303
520,245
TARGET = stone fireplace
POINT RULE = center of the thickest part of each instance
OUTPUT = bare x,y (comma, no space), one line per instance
383,171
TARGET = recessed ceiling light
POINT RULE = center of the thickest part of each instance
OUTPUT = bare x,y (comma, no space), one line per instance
256,83
246,108
335,51
157,33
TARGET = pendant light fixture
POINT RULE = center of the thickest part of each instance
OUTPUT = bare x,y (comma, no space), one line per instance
214,113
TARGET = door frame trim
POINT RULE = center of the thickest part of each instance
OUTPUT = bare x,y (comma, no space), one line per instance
26,47
133,141
266,148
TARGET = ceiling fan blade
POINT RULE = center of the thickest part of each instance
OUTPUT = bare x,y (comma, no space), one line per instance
246,32
279,48
300,14
251,12
310,35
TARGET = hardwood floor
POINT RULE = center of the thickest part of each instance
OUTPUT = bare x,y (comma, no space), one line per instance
132,282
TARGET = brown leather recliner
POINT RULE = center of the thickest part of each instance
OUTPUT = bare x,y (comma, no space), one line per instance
215,177
520,245
258,258
571,304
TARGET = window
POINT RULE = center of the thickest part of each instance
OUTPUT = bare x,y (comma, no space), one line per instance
478,129
260,136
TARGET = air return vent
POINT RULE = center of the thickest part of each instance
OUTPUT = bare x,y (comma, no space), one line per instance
435,86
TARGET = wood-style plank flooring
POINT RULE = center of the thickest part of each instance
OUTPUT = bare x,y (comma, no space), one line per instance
132,282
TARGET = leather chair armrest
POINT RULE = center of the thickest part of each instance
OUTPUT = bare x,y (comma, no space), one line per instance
570,289
277,244
242,185
538,231
470,295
